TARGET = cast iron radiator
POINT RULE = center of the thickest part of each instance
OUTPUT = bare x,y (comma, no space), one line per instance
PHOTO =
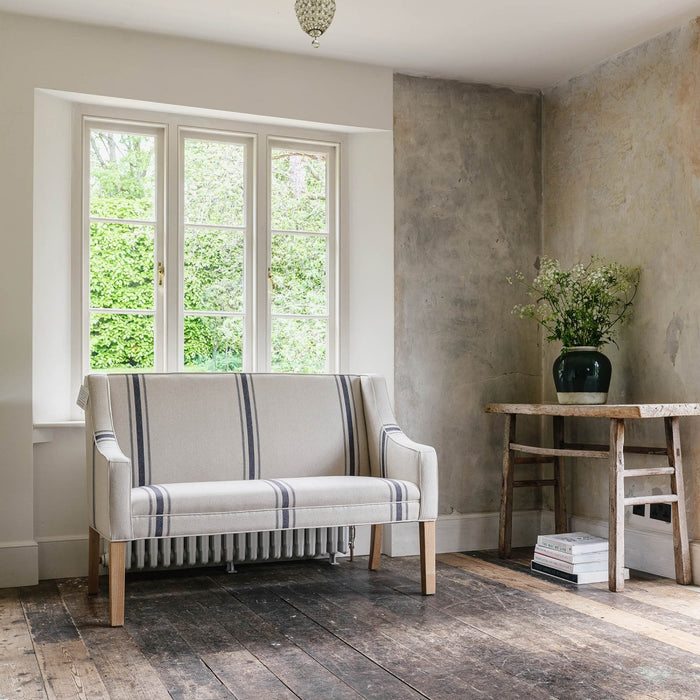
228,550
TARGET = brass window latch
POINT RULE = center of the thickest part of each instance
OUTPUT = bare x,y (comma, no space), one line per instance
271,281
161,274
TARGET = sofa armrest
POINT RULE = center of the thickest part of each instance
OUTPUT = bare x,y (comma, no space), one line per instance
111,492
392,454
109,469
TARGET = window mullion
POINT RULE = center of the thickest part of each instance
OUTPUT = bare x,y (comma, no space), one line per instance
250,345
160,282
262,249
173,253
332,261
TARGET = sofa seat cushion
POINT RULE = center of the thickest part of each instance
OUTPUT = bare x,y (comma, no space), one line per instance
210,507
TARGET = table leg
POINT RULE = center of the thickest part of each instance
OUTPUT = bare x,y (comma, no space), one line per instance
616,522
560,520
505,530
681,551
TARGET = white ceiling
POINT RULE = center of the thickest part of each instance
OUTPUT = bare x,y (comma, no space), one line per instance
520,43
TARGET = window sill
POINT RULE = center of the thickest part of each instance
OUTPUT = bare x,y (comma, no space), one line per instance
43,432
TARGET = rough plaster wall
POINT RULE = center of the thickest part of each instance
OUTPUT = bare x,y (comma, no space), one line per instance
467,214
621,163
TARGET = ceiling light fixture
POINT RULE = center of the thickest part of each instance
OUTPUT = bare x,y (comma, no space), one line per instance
315,16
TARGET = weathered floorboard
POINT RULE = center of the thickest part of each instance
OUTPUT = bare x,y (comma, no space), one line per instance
124,669
233,665
299,671
661,669
65,664
348,664
183,674
568,641
309,630
424,637
19,671
536,644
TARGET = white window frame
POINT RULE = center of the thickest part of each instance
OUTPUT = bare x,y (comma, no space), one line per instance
248,141
330,150
158,132
172,129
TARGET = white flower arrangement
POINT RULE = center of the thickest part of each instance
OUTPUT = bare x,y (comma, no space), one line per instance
582,306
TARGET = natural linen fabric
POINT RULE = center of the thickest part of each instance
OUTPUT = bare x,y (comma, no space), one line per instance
176,454
210,507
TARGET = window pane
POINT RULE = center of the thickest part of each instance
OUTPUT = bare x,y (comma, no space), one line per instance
213,344
121,266
299,345
122,175
214,261
298,191
298,267
214,183
121,342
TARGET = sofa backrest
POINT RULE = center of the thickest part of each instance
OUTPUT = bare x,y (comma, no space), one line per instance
208,427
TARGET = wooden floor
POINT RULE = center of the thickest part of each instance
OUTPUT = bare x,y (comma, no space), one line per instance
310,630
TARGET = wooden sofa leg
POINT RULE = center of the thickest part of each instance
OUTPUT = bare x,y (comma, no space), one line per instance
93,561
117,570
375,547
427,557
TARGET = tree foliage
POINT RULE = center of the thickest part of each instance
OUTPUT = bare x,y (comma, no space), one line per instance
122,256
123,262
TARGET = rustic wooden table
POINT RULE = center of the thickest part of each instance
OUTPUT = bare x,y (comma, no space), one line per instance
614,452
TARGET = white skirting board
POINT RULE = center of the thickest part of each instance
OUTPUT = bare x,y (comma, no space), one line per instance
18,564
462,532
23,563
648,547
63,556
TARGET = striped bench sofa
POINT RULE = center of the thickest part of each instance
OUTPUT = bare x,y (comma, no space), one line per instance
182,454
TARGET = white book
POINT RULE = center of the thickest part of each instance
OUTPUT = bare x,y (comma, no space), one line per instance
601,555
573,542
585,577
578,568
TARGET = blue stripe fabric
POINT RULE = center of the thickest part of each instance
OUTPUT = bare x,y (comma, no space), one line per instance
241,413
159,494
94,447
386,429
346,389
287,509
139,430
256,426
129,400
343,423
398,492
147,426
251,428
138,421
104,435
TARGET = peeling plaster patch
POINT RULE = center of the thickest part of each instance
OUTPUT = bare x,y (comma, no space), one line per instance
673,338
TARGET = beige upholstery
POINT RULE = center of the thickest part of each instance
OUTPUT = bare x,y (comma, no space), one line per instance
196,454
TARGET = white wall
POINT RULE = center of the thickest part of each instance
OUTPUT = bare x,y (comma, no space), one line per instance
53,158
370,255
41,491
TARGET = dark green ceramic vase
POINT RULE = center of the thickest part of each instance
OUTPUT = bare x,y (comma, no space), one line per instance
582,375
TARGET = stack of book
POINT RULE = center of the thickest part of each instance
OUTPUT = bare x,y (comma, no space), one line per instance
576,557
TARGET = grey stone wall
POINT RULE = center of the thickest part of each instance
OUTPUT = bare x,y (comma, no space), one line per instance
621,168
467,214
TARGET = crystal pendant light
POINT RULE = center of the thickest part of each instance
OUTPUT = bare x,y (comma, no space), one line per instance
315,16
